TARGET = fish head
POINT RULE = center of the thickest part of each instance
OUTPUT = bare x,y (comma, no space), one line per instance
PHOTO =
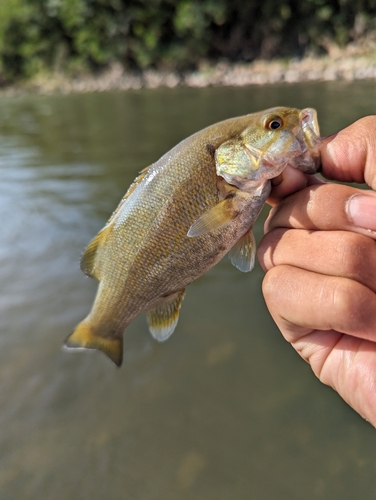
273,139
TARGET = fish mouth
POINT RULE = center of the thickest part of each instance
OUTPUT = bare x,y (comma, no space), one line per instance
309,122
308,135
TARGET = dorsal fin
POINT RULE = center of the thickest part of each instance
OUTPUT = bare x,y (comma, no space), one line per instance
89,260
131,188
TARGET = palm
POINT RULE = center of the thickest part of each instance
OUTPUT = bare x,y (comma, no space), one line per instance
347,364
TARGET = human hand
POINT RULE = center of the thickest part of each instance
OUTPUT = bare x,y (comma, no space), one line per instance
319,255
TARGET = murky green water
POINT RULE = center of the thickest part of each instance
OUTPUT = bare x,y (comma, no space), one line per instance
225,409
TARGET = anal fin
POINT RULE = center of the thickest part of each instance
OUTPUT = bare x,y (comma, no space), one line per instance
163,318
243,253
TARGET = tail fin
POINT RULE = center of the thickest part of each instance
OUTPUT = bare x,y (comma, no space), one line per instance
84,337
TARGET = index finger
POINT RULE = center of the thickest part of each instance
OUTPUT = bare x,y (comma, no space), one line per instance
288,182
326,207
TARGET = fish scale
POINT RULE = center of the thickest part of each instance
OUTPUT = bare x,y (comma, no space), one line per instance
182,215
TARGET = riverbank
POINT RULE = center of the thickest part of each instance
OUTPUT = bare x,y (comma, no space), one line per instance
347,64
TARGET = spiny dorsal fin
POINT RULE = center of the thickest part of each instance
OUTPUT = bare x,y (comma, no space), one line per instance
163,318
131,188
218,216
89,260
83,337
243,253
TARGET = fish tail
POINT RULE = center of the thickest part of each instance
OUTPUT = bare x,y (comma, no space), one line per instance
85,337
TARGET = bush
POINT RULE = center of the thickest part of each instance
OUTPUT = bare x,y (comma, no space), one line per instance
72,36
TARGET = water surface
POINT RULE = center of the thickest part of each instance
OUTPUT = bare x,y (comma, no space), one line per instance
225,409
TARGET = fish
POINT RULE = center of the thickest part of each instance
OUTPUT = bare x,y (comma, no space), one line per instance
182,215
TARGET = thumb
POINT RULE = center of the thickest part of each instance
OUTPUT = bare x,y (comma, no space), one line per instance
350,155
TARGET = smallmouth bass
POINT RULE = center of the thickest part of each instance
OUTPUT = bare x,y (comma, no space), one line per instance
185,212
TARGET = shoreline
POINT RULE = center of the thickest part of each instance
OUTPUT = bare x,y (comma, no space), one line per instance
340,66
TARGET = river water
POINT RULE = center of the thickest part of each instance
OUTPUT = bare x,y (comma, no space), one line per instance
225,409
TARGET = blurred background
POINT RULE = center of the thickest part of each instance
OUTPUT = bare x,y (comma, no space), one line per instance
75,37
225,409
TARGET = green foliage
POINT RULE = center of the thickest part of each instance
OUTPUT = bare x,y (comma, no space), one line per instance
87,35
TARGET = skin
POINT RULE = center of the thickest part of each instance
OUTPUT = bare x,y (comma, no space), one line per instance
319,255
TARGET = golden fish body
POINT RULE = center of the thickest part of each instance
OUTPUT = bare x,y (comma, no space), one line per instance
182,215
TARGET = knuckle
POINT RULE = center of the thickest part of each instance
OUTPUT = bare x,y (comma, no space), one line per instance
267,247
351,252
273,282
357,255
325,206
368,122
353,305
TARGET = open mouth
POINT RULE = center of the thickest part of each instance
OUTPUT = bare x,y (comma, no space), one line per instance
311,130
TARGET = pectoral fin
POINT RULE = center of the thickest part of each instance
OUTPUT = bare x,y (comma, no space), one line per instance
243,254
84,337
163,318
218,216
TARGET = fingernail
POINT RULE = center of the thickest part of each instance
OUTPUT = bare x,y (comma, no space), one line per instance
361,210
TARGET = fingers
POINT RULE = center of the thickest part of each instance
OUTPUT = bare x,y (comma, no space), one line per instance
320,258
301,301
350,155
345,363
290,181
350,368
327,207
332,253
330,321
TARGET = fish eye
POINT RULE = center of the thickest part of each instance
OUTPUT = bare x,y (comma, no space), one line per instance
274,123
